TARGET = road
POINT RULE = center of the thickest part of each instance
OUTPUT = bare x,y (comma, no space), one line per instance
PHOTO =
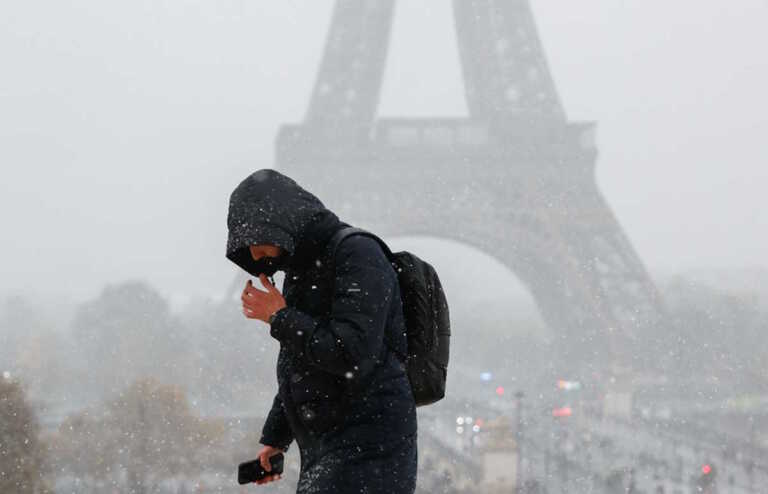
584,453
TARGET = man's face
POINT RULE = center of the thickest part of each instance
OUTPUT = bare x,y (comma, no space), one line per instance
259,251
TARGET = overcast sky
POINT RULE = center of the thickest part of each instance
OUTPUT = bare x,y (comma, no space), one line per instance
125,125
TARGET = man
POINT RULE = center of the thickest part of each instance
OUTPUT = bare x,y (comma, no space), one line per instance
343,393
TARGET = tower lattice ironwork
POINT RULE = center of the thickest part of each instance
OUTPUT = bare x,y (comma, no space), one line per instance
515,178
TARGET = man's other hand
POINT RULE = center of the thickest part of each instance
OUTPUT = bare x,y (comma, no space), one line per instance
265,454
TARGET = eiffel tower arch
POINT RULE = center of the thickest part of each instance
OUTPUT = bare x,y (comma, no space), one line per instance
515,178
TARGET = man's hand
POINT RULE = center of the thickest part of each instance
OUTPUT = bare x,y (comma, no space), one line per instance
265,454
258,304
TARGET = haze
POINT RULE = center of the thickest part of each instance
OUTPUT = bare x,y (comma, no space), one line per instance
125,125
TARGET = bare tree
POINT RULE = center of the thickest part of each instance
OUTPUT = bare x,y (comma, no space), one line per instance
145,436
22,456
128,333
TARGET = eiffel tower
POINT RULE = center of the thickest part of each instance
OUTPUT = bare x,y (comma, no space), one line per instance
514,179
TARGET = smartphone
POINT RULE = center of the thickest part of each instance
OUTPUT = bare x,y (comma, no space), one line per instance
251,471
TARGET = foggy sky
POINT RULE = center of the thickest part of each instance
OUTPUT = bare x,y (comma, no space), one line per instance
125,125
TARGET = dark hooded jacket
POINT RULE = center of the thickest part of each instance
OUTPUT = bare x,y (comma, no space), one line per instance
341,387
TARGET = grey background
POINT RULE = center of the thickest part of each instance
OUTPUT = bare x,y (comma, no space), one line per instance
125,125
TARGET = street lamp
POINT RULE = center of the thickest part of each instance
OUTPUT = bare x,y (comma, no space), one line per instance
519,435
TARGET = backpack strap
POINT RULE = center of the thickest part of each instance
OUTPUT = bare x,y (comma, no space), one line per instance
348,231
333,245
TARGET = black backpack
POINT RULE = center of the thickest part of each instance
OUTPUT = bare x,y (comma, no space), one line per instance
427,323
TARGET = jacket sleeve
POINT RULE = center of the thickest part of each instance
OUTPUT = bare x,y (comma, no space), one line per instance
349,342
276,432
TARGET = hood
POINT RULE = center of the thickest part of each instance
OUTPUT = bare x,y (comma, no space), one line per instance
270,208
